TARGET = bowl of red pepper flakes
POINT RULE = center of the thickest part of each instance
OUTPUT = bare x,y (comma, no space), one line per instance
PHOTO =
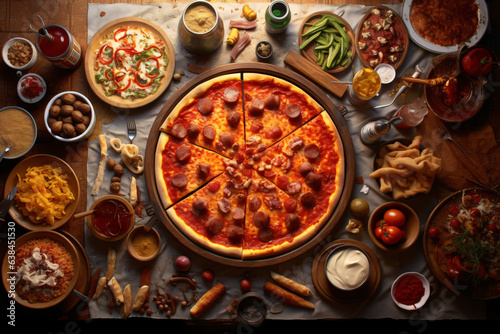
31,88
410,291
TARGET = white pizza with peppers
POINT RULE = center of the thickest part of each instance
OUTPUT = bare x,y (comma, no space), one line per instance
130,62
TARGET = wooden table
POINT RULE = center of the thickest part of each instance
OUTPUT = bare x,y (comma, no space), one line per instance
15,19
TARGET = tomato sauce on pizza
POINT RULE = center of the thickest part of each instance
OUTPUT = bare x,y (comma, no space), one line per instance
260,198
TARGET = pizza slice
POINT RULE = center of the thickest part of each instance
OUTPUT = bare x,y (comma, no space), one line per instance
213,217
308,165
182,167
211,116
273,108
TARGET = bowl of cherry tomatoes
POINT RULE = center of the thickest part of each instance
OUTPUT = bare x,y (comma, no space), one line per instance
393,226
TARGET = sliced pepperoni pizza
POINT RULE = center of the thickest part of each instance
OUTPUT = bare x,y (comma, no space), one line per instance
211,115
182,167
273,108
214,216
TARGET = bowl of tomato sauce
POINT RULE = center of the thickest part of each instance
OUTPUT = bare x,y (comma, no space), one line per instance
111,218
410,291
31,88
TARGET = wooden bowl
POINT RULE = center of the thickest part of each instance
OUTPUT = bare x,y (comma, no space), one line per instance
308,51
40,160
398,21
8,272
102,236
139,231
411,226
94,44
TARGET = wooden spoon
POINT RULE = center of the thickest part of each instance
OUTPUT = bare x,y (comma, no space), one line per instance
83,214
431,82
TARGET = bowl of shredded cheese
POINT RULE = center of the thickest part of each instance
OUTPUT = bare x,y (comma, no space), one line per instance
47,194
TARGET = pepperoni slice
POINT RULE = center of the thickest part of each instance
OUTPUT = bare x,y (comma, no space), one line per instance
305,168
261,218
238,213
179,180
214,186
203,170
183,154
282,181
265,234
233,119
226,139
292,221
297,143
200,205
311,151
294,187
293,111
308,200
256,127
234,233
179,131
275,132
314,180
256,107
224,205
272,101
273,202
205,106
254,203
209,133
193,130
214,225
290,204
231,95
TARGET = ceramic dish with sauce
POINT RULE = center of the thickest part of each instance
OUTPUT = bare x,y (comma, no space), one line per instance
142,244
347,268
111,218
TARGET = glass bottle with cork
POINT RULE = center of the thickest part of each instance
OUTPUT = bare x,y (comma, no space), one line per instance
278,17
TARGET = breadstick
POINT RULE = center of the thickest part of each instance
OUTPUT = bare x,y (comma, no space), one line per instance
140,298
111,263
116,290
207,300
286,296
127,301
291,284
102,164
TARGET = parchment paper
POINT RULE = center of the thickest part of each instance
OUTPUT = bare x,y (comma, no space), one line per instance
442,305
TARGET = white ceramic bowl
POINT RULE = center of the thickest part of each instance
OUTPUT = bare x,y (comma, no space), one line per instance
90,127
422,301
5,52
37,98
386,72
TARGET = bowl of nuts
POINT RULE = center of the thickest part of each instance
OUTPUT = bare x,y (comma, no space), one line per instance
19,53
70,117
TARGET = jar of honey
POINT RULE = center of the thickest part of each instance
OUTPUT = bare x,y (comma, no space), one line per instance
365,85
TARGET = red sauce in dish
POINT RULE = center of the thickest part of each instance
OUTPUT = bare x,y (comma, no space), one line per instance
58,46
111,218
409,290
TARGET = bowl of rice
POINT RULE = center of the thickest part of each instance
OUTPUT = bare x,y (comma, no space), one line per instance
44,271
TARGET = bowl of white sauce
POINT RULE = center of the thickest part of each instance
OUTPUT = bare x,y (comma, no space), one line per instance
347,268
386,72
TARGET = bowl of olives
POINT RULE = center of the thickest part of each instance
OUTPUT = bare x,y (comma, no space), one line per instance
70,117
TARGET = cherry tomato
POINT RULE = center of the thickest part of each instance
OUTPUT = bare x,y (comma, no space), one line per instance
477,62
455,223
378,232
492,227
391,235
394,217
453,210
474,212
182,263
207,275
434,232
245,285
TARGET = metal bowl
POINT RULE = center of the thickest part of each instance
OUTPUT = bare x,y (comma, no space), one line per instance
201,42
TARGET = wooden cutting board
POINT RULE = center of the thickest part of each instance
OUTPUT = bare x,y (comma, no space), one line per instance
314,73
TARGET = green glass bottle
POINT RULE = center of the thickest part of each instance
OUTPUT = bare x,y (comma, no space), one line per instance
277,17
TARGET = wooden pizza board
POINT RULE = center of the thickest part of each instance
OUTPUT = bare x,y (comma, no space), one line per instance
313,72
311,89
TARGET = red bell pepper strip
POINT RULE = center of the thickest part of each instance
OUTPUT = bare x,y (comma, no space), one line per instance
122,88
157,66
101,59
106,74
118,32
140,84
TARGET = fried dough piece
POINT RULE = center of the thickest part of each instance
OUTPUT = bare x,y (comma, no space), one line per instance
291,284
287,296
207,300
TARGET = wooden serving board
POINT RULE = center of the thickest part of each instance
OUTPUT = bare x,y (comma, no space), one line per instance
313,72
317,94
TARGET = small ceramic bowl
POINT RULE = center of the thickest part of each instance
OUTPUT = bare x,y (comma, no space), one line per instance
341,276
23,84
11,154
149,240
386,72
113,200
5,52
261,50
411,226
422,301
78,137
252,309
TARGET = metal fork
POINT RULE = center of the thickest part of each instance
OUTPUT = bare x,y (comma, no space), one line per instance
131,128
